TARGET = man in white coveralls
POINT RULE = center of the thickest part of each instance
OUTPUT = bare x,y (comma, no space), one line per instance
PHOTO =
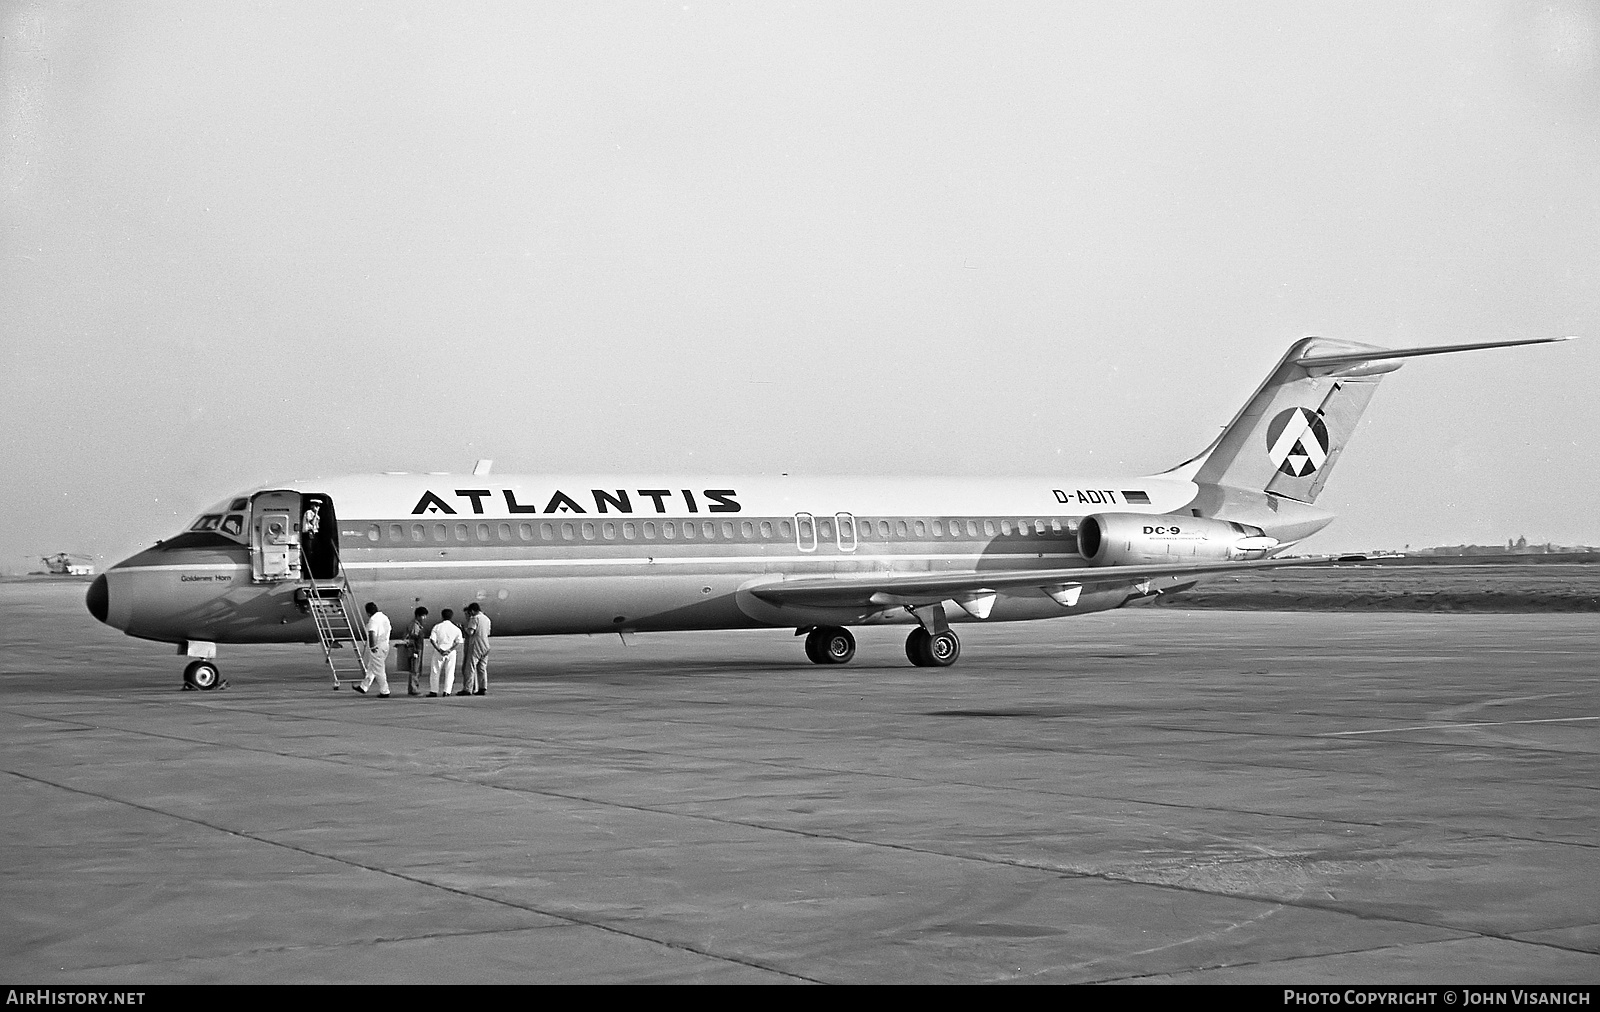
376,659
445,637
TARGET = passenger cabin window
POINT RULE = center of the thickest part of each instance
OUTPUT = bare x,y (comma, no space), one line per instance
525,532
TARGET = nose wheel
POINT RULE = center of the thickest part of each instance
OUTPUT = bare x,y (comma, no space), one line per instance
936,650
202,675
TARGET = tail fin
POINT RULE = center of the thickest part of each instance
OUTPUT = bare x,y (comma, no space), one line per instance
1288,436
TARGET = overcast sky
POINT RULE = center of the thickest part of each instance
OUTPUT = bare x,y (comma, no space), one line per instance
250,242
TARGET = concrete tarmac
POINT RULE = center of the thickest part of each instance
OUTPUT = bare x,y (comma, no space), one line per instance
1143,796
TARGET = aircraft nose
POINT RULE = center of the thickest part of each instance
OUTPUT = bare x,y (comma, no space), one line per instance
98,599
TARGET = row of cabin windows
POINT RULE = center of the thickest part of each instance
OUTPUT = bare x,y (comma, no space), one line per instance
860,529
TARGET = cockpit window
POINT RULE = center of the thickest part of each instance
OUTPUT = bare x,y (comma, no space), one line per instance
195,539
228,518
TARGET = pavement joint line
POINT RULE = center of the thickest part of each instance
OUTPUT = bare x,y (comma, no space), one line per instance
909,738
275,714
334,757
415,880
331,757
1452,727
1297,957
1189,729
1183,729
352,943
1065,872
1442,746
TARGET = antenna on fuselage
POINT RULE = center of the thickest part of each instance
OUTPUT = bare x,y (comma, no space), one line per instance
482,467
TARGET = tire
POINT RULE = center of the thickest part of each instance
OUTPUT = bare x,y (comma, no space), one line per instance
202,675
835,645
917,647
814,647
938,651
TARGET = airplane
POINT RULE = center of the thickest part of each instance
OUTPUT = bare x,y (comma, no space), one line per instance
554,554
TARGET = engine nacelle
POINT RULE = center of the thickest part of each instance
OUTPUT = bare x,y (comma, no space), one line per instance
1133,539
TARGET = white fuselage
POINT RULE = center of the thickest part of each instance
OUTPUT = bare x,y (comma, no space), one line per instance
585,554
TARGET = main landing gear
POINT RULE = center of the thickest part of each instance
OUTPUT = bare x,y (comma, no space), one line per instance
830,645
932,650
835,645
202,674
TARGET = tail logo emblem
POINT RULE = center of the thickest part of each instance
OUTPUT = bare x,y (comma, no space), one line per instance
1297,442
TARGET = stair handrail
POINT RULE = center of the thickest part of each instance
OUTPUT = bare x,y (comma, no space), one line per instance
325,633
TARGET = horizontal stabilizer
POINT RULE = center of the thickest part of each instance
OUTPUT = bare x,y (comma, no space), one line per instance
1384,354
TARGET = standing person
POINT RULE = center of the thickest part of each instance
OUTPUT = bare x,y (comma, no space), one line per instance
469,679
416,636
445,637
477,650
377,655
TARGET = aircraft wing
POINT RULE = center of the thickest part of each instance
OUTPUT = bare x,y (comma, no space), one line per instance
916,588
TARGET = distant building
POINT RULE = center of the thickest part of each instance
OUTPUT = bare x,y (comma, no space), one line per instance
1518,547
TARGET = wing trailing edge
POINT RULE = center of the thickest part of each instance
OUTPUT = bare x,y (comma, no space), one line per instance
975,591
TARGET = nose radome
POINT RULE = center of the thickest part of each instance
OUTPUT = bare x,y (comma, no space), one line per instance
98,599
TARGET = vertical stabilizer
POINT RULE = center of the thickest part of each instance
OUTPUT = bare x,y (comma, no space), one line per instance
1289,435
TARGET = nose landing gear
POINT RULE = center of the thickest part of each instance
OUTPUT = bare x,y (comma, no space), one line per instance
202,674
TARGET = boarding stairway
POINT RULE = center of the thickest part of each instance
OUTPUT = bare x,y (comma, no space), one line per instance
333,609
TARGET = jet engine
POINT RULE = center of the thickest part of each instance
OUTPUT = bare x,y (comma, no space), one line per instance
1133,539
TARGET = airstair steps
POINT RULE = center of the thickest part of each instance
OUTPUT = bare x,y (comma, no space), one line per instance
332,610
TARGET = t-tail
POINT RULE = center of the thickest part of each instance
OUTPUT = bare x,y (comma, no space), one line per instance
1272,461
